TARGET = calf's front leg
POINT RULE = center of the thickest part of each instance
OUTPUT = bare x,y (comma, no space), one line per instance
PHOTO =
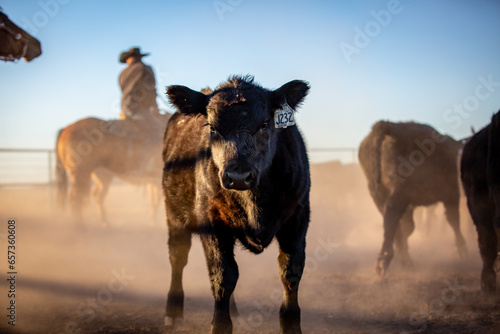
179,244
223,272
291,261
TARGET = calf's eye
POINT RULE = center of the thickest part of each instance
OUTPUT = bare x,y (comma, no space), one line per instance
213,132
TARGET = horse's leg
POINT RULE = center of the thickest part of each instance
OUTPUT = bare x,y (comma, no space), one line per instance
103,181
453,217
79,191
179,244
62,184
404,229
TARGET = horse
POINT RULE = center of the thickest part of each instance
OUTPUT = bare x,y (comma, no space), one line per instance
102,180
93,148
15,43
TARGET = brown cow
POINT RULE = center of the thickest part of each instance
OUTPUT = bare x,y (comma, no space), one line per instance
409,165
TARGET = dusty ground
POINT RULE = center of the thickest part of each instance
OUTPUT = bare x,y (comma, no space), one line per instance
115,280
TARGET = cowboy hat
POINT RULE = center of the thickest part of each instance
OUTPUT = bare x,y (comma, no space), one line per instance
133,52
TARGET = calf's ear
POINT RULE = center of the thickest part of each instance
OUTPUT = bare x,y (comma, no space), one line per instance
188,101
292,93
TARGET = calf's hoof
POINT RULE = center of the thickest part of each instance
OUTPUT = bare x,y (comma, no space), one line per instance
168,325
290,320
221,328
379,268
291,329
169,322
382,264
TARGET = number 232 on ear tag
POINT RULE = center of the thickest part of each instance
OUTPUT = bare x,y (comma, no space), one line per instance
284,117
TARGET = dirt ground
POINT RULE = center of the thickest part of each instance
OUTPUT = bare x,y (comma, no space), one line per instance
115,279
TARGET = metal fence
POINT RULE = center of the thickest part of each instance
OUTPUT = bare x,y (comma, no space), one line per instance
21,166
31,167
343,154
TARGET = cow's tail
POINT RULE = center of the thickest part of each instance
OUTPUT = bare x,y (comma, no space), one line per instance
380,130
493,164
61,176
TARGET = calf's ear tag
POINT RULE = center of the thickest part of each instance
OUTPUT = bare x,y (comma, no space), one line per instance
283,117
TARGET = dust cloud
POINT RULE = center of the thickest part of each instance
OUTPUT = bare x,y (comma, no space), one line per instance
98,279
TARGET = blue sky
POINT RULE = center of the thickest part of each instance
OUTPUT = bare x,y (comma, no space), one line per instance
436,62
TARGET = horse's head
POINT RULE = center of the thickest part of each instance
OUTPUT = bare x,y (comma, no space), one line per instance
16,43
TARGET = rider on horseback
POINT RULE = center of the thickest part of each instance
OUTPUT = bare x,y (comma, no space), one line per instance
138,85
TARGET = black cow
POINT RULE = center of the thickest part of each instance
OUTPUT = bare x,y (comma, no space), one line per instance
409,165
480,173
231,175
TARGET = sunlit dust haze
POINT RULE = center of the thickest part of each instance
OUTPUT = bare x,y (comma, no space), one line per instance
68,273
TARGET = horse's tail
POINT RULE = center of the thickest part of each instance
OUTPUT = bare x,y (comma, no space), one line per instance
61,176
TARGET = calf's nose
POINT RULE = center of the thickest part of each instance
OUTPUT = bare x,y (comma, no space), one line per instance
239,180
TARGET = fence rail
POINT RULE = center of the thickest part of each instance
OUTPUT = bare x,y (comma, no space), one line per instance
344,154
26,166
34,166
